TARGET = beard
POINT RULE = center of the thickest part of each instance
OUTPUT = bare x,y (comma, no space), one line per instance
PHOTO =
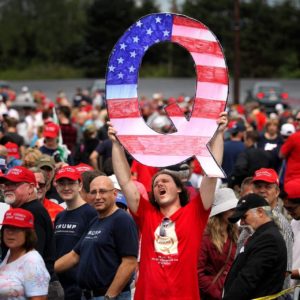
9,198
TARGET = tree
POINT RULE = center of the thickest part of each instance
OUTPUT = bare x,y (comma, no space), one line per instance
107,20
217,16
40,31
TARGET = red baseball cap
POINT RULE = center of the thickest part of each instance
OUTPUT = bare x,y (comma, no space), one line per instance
51,130
267,175
12,150
67,172
18,217
82,167
19,174
292,188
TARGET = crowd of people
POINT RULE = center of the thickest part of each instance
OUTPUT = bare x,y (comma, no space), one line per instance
82,219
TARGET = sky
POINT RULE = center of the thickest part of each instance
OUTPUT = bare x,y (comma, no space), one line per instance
165,4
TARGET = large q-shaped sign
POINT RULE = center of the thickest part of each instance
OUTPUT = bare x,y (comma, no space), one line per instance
192,136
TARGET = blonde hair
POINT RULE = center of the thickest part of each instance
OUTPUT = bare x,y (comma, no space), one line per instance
215,229
31,156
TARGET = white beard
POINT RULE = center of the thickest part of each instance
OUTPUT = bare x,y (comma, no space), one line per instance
9,198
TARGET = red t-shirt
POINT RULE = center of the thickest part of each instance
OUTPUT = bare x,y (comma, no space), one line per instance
144,174
168,264
52,208
291,150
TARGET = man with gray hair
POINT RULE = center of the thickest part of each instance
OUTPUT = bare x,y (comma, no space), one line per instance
259,269
266,184
20,190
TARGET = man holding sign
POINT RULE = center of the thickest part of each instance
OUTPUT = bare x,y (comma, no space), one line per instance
171,226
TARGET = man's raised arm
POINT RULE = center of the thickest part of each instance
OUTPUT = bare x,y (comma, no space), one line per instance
208,184
122,171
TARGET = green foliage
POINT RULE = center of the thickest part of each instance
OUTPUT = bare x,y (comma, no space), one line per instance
167,60
35,31
269,34
73,35
41,71
107,20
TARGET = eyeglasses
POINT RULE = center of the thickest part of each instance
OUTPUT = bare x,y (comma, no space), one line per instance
100,192
41,185
163,226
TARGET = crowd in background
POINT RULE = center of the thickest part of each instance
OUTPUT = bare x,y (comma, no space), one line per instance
66,142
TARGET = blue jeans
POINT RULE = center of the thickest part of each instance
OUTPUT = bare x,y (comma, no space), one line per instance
123,296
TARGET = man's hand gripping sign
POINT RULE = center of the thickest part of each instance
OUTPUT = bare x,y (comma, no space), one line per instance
193,135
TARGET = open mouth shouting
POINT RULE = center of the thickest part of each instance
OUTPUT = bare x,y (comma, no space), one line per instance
162,191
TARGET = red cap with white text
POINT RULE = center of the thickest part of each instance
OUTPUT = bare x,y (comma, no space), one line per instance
19,174
82,167
68,172
267,175
51,130
18,217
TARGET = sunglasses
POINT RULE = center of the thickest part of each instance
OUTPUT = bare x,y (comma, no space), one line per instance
163,226
41,185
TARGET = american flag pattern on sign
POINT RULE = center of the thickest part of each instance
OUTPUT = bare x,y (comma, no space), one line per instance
192,136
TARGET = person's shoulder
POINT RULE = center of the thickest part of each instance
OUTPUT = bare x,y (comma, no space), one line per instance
33,205
86,210
87,207
121,215
270,231
60,215
33,256
37,209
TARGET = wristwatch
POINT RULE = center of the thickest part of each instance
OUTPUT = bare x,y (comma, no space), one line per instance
106,297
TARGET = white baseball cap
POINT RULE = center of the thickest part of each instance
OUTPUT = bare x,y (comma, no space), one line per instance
115,182
287,129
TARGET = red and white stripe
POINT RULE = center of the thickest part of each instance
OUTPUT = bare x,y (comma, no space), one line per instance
191,138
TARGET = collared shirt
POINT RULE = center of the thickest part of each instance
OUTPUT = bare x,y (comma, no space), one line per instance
287,233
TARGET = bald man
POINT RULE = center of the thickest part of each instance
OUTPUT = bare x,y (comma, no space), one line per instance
107,255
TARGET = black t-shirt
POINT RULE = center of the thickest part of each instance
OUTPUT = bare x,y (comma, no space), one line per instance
44,231
273,146
69,226
105,149
12,137
101,250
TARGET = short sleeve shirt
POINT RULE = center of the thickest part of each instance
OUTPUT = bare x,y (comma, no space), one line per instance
168,263
101,250
25,277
